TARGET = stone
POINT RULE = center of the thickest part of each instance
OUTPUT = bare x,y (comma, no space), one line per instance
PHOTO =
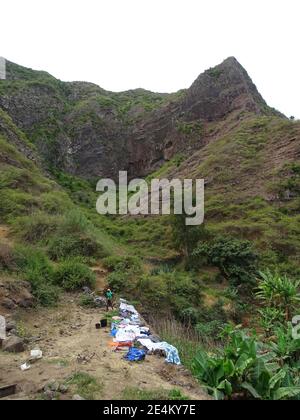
8,303
52,386
13,344
49,395
77,398
10,326
63,389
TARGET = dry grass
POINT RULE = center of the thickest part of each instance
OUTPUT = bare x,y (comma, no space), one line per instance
183,337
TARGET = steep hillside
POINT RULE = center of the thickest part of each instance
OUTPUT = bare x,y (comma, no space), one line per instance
86,131
194,284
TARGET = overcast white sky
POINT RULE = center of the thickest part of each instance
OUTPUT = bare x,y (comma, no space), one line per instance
161,45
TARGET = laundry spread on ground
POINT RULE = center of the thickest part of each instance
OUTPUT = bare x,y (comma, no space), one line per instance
131,335
171,352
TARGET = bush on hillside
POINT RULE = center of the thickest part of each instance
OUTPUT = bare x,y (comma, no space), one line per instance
36,227
236,259
56,202
14,203
60,247
72,275
175,290
34,266
76,222
119,282
120,263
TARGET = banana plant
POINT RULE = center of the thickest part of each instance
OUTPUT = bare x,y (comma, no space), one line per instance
247,368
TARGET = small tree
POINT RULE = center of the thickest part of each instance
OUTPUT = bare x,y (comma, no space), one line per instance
186,237
236,259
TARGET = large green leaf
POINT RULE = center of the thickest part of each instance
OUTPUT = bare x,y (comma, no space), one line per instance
243,363
251,390
277,378
288,392
226,386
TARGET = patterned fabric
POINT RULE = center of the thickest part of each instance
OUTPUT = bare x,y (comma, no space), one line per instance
171,353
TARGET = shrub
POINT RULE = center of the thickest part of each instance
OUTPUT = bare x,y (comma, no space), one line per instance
235,259
119,282
72,274
60,247
75,222
36,227
35,267
176,290
185,238
14,203
120,263
55,202
209,331
189,315
87,300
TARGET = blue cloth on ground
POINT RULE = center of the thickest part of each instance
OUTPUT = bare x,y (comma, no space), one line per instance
171,353
113,331
135,355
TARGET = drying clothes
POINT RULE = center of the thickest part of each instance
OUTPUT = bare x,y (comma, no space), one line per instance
135,355
113,331
171,352
123,335
116,344
138,331
128,308
147,343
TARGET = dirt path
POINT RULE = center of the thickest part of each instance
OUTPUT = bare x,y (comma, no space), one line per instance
101,275
4,234
66,335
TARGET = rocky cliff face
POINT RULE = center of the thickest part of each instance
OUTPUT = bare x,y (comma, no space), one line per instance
86,131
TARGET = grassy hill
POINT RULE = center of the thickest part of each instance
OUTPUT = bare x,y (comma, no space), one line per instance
248,155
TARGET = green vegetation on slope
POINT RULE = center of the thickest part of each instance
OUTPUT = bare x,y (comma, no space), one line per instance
196,276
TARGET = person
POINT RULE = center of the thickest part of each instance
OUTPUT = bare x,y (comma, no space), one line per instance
109,299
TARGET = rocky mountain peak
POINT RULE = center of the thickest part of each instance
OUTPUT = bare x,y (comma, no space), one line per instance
223,89
86,131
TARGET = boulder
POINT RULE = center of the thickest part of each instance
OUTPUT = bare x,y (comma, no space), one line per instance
13,344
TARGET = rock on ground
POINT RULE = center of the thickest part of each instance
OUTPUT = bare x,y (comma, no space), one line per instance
13,344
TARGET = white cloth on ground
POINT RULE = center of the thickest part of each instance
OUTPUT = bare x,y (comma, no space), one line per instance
123,335
146,342
171,352
2,328
128,308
